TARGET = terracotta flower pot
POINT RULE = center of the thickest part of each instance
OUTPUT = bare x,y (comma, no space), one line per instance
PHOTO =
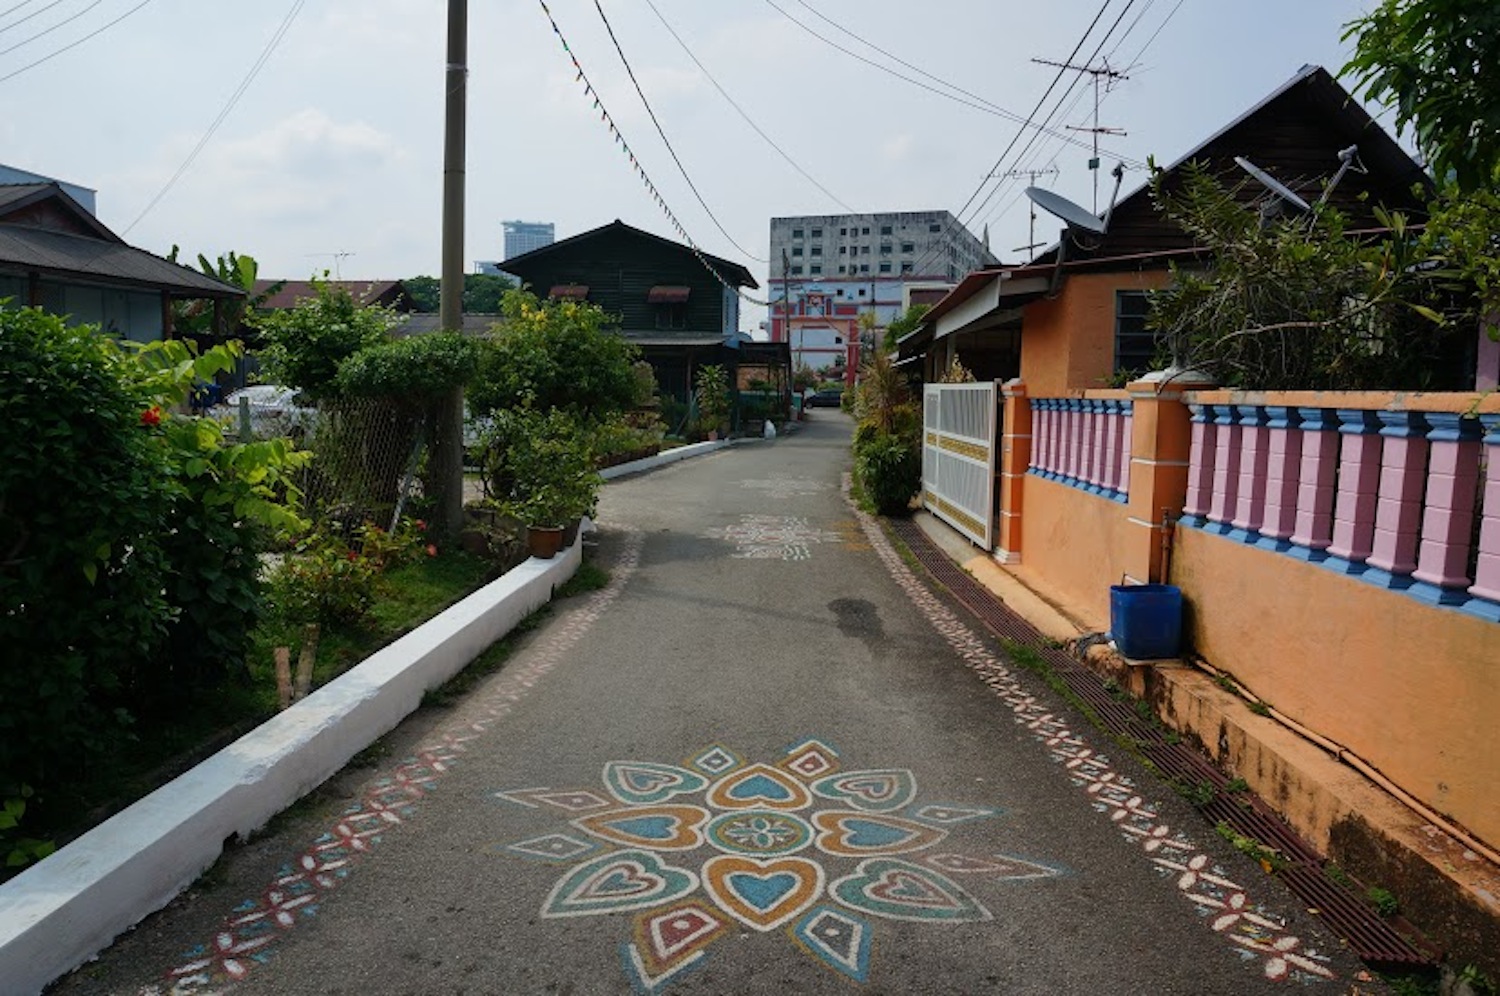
544,542
570,533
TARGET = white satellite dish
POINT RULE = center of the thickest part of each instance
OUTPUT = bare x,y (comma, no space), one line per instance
1272,184
1076,216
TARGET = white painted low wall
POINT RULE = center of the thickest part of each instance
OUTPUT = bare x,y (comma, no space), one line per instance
64,910
662,459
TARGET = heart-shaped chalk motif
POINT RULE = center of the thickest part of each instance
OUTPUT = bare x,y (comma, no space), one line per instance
641,783
874,791
659,828
759,786
850,834
899,890
626,880
762,895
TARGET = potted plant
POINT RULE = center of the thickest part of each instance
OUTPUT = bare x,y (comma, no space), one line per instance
540,469
712,385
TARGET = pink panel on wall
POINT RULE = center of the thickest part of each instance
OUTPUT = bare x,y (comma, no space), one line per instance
1249,510
1398,511
1226,464
1315,479
1359,487
1283,465
1452,487
1201,464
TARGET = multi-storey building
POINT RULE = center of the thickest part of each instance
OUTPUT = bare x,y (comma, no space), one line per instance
828,270
522,237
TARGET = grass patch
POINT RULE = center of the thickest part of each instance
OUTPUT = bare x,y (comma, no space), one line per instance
1384,901
589,577
1269,857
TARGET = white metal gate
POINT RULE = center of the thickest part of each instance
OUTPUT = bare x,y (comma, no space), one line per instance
960,436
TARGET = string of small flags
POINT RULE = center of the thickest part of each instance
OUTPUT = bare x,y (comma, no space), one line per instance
635,164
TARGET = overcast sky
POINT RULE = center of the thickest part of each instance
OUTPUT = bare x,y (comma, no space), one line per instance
336,147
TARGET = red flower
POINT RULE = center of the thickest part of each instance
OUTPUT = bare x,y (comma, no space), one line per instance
151,416
432,549
421,526
353,556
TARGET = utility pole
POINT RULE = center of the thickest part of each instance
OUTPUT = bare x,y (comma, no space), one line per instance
1031,175
1105,76
448,450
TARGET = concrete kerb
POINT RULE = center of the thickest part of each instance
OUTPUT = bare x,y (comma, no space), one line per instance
60,913
662,459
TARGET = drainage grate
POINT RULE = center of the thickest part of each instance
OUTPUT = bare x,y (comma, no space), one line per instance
1371,938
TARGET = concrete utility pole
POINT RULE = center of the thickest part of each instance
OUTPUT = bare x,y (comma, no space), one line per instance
448,450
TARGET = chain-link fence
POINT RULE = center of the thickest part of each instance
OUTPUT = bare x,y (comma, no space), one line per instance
370,456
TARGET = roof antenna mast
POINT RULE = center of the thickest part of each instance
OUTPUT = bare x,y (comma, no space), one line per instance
1103,76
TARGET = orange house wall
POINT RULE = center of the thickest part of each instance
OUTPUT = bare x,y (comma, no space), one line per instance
1077,541
1068,342
1412,689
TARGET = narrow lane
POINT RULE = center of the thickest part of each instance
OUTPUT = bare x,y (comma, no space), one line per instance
766,759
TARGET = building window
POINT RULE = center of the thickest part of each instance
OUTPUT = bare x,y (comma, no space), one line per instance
1135,345
905,267
885,250
865,230
796,233
864,268
816,270
885,268
934,228
796,271
796,250
671,316
843,250
908,247
843,231
885,229
865,250
841,292
817,233
861,292
817,250
841,270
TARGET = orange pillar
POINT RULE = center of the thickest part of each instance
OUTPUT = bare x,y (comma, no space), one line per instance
1015,458
1160,444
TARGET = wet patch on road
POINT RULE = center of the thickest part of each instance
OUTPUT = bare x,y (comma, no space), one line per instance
802,845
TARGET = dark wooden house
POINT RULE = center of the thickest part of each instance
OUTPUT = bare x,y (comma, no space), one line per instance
1075,317
678,306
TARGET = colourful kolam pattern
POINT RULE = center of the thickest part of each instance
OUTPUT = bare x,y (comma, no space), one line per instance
249,935
1223,903
722,844
773,537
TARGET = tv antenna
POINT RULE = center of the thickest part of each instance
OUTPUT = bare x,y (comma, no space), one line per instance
1032,175
1105,77
1348,158
338,257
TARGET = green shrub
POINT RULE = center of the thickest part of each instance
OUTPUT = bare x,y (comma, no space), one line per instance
540,468
415,370
889,468
306,344
554,354
324,581
711,388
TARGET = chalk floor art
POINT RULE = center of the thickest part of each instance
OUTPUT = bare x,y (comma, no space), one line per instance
774,537
719,843
1256,933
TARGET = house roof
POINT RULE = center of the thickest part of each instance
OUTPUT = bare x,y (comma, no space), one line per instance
363,291
730,272
101,256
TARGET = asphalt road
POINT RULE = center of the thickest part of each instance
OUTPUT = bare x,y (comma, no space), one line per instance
765,759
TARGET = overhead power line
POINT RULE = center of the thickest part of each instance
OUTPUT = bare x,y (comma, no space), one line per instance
666,141
229,105
741,111
47,31
635,163
20,21
73,44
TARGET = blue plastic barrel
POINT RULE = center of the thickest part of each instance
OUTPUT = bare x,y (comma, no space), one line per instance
1145,620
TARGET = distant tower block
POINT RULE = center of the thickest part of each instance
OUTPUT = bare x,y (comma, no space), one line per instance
522,237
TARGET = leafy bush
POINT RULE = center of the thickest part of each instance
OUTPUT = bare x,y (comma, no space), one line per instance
554,354
306,344
540,468
889,468
324,581
712,391
416,369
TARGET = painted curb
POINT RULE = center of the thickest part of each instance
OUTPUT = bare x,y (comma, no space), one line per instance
661,459
61,912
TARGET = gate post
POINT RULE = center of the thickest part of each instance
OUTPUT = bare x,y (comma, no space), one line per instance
1015,458
1160,452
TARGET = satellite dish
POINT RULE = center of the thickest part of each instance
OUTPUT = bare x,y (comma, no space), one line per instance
1076,216
1272,184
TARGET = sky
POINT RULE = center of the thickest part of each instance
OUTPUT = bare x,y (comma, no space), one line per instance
332,156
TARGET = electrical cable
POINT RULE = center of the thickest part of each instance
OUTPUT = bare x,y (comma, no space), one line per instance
29,16
635,163
229,105
984,105
990,173
73,44
11,10
666,141
741,111
47,31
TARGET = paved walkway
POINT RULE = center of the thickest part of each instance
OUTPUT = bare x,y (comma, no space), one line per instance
766,759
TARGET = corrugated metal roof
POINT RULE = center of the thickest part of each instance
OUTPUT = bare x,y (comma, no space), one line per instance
66,255
363,291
